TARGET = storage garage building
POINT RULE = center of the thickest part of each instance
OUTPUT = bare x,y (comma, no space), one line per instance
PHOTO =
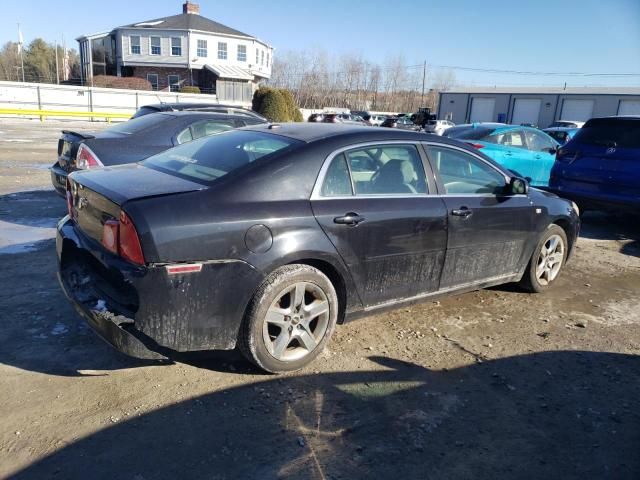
539,106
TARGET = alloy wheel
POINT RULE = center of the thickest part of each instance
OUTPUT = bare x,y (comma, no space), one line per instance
550,260
296,321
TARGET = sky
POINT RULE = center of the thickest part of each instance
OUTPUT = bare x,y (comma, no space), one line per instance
551,36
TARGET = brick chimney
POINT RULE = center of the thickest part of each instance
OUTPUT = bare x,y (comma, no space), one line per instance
188,7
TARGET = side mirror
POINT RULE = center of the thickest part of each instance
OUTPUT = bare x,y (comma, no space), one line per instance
518,186
551,150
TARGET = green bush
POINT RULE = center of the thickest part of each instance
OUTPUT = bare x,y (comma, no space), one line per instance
276,104
190,89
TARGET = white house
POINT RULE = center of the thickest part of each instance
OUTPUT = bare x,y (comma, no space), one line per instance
180,50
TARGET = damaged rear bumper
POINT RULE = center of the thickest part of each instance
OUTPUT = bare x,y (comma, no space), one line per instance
142,310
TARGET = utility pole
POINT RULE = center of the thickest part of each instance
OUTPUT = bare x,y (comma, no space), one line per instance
424,77
21,48
57,70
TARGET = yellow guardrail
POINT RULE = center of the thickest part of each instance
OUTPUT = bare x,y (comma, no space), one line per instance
62,113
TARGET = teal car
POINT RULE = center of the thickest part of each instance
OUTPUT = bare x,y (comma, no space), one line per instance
526,151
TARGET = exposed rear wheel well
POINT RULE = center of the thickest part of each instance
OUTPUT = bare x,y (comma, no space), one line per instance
336,279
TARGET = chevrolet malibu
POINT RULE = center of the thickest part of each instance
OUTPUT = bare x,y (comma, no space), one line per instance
266,237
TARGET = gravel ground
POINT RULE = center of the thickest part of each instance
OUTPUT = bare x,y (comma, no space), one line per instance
491,384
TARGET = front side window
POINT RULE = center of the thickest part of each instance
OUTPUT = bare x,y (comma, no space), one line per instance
176,46
209,158
152,78
242,53
174,83
155,46
512,138
135,44
222,51
202,48
462,173
538,141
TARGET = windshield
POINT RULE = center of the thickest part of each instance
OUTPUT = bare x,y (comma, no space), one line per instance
471,133
210,158
606,132
136,125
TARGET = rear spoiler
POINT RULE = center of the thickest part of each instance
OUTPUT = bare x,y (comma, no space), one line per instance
84,136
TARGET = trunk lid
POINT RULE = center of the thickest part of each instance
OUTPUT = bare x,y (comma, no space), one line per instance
98,195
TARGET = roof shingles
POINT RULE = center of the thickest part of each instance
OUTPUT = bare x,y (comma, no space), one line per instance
188,21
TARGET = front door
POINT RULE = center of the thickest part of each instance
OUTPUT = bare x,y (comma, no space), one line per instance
488,229
374,204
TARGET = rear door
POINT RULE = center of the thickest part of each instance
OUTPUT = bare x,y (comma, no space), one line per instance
377,207
540,147
488,229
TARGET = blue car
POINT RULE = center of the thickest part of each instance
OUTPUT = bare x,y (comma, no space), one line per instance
600,167
561,134
527,152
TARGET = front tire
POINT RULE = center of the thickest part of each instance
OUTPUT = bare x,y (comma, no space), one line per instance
547,260
289,319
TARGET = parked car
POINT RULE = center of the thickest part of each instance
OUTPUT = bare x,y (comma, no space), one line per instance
438,127
561,134
316,117
199,107
347,118
526,151
375,120
600,167
453,132
266,237
403,123
136,139
529,124
567,124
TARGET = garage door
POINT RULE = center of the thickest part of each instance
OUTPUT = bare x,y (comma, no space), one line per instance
526,110
629,107
580,110
482,109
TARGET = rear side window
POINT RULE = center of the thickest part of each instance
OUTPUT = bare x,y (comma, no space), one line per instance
462,173
604,132
337,181
210,158
512,138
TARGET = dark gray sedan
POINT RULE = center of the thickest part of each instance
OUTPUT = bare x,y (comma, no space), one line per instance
137,139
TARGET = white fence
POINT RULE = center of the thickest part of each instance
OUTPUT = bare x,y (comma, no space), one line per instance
42,96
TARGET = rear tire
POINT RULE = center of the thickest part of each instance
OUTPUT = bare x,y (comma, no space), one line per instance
289,320
547,260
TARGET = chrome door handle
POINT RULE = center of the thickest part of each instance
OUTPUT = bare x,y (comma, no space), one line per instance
462,212
350,218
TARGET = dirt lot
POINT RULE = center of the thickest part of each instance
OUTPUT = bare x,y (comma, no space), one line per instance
491,384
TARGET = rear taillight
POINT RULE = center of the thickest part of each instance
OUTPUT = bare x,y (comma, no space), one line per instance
476,145
86,158
565,156
120,237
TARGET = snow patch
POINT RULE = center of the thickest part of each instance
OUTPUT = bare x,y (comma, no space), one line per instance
26,235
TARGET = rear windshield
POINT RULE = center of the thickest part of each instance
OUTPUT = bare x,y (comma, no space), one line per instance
210,158
136,125
144,111
606,132
471,133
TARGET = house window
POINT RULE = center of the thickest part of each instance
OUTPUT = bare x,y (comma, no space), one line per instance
257,57
176,46
222,51
242,53
202,48
135,44
174,83
262,61
152,78
267,59
155,46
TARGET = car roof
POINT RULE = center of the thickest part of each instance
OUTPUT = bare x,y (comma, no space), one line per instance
311,132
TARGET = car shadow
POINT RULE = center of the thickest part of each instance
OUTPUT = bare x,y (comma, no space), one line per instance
565,414
608,226
34,208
